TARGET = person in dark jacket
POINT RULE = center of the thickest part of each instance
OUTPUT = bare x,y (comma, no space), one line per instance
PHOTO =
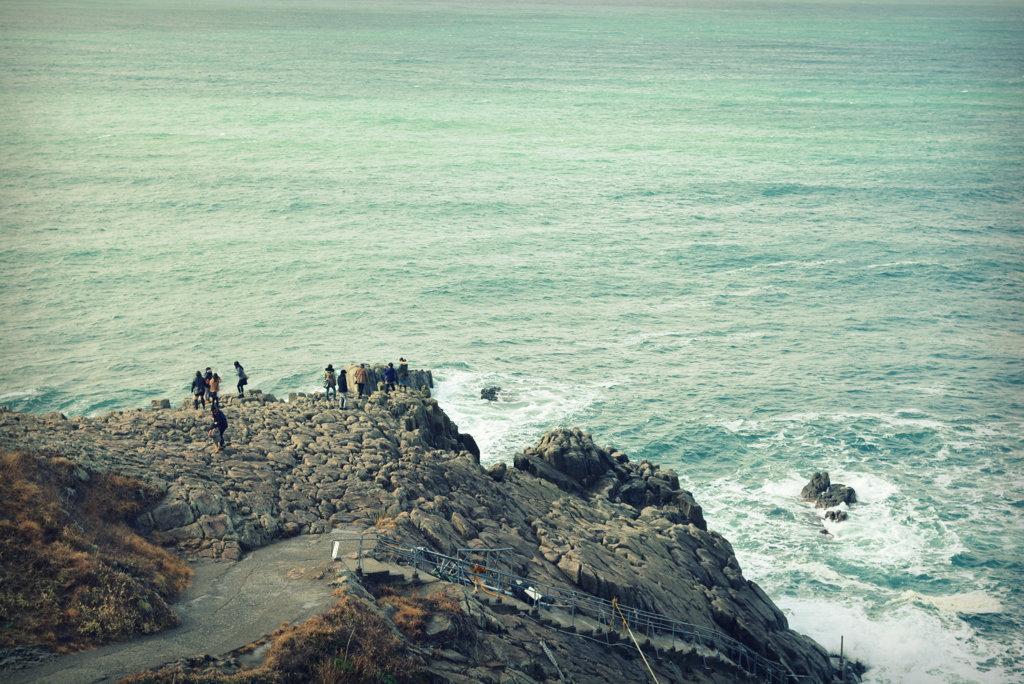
208,377
390,376
243,379
198,390
343,387
220,424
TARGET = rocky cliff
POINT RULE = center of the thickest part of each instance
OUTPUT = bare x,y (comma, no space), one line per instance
576,514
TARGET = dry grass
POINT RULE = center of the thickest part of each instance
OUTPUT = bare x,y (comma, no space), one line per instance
382,520
348,644
72,574
412,613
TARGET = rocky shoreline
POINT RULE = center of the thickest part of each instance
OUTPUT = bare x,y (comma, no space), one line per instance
576,515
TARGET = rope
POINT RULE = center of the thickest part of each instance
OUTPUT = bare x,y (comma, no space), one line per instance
615,606
480,585
551,657
475,574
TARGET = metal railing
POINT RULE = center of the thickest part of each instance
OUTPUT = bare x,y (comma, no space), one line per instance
479,568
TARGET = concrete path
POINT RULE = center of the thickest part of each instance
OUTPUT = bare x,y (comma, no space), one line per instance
228,606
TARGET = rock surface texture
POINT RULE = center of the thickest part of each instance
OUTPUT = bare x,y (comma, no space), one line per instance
577,515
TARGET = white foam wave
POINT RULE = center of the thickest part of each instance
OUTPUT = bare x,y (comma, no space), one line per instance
909,645
930,390
760,567
917,422
798,418
971,602
778,264
678,339
894,418
785,489
735,425
526,408
871,489
22,393
898,418
900,263
885,530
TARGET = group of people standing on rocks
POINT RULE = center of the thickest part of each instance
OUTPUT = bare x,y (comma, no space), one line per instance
336,381
206,387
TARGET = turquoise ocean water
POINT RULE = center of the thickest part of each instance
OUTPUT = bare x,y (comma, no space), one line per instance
745,240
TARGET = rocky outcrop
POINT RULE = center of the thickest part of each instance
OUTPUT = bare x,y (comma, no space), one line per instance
575,514
418,379
571,460
826,494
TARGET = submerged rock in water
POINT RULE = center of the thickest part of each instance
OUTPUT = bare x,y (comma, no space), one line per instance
836,494
825,494
490,393
836,516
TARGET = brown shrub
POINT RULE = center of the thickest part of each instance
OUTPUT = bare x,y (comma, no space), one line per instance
412,613
73,574
348,644
445,603
410,617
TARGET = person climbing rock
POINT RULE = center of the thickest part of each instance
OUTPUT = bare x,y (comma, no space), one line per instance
220,425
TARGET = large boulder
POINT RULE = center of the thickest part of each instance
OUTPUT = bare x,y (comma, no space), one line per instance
573,453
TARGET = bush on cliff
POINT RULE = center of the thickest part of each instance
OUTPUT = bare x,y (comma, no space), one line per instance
349,644
72,574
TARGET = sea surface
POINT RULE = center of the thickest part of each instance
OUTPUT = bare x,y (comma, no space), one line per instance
748,241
